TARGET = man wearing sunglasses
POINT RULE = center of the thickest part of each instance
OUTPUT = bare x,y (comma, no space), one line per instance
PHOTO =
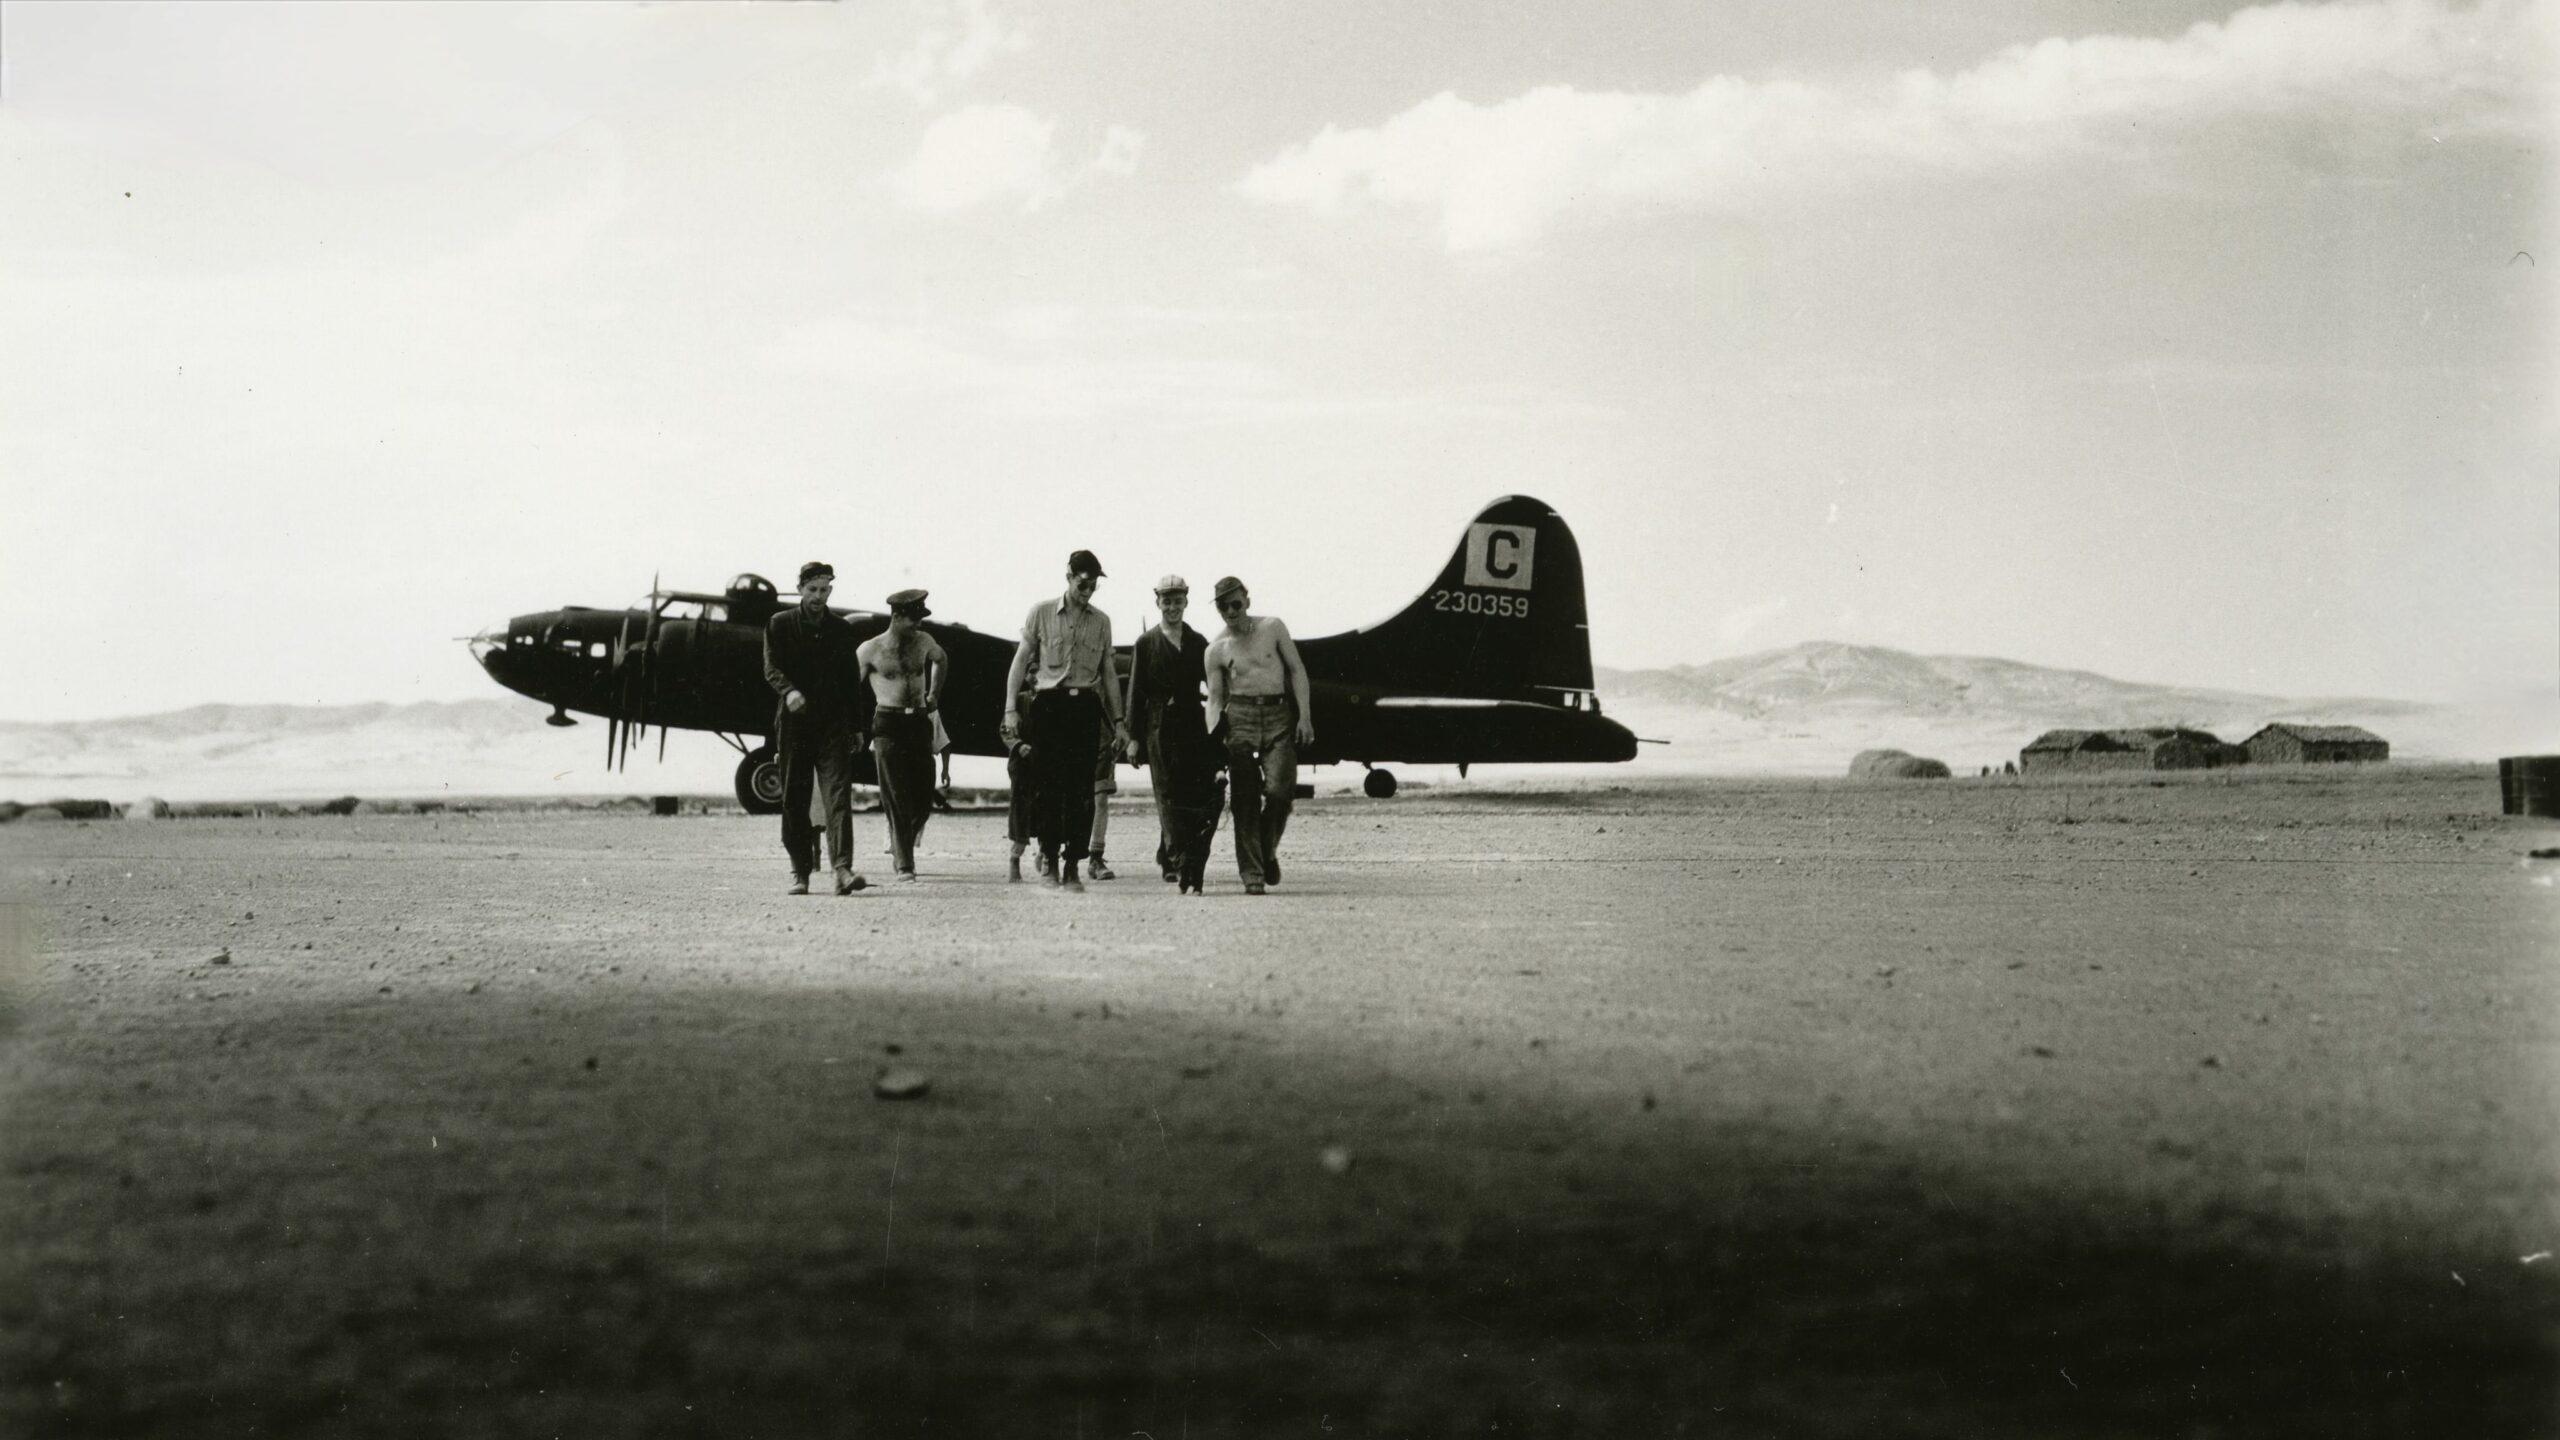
1066,654
1258,691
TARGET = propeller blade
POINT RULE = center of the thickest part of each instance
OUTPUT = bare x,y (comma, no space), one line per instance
648,686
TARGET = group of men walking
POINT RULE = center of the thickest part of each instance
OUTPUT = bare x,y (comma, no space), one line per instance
1200,711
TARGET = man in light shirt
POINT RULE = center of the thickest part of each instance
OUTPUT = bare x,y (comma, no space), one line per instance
1066,654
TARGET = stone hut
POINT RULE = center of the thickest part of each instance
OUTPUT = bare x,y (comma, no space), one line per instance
2156,747
2284,743
2175,747
2052,750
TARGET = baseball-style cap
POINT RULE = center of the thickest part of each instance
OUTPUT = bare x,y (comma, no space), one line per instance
1083,563
817,570
909,602
1228,585
1173,585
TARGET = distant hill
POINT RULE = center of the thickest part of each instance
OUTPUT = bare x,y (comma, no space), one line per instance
1821,678
1809,708
1803,710
497,746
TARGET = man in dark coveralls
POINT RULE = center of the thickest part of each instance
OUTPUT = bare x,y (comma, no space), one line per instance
1165,680
823,716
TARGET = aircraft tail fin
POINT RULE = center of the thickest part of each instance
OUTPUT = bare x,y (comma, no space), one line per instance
1504,619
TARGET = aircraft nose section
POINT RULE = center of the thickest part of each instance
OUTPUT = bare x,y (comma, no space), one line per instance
510,656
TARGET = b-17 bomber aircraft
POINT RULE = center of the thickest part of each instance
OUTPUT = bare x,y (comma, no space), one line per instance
1491,665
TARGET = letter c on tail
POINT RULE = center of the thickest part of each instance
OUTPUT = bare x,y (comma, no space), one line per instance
1500,556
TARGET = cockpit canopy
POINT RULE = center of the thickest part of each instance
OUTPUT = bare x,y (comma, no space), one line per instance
752,598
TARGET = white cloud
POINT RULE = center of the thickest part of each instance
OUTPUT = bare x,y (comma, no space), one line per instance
1502,175
1736,625
1120,149
1003,153
1066,363
962,40
980,154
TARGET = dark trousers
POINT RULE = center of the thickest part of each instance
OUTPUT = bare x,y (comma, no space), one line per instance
1191,825
903,746
820,757
1184,768
1022,806
1068,731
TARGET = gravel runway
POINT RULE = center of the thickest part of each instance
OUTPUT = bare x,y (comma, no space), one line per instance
2217,1106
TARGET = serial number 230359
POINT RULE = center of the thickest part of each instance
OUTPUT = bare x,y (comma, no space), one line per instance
1477,602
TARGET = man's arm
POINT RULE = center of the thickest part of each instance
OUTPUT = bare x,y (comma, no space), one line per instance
1213,669
782,687
863,656
865,703
1013,674
937,669
1297,683
1138,676
1111,706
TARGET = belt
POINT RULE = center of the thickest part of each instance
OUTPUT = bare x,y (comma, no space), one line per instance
1234,700
1068,690
904,709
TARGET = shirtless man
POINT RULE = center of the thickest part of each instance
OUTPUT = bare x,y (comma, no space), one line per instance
1258,690
905,668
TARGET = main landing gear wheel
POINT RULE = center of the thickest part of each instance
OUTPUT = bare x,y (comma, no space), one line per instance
1378,784
760,781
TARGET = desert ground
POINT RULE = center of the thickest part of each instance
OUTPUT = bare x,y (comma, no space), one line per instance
2216,1105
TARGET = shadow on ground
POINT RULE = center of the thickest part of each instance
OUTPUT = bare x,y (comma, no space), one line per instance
684,1213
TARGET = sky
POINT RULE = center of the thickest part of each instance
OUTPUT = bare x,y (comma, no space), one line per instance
2188,343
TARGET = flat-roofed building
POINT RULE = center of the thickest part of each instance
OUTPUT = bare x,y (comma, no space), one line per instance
2154,747
2286,743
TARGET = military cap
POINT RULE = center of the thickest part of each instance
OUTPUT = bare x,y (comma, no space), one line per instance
1173,585
1228,585
909,602
817,570
1083,563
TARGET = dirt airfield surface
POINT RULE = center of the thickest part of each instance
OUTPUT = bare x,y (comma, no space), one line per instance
2217,1107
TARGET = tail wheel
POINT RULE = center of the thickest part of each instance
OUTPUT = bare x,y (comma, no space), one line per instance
760,782
1378,784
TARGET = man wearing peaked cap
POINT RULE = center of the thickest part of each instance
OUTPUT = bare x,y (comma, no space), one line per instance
1065,653
822,714
905,669
1165,679
1258,690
